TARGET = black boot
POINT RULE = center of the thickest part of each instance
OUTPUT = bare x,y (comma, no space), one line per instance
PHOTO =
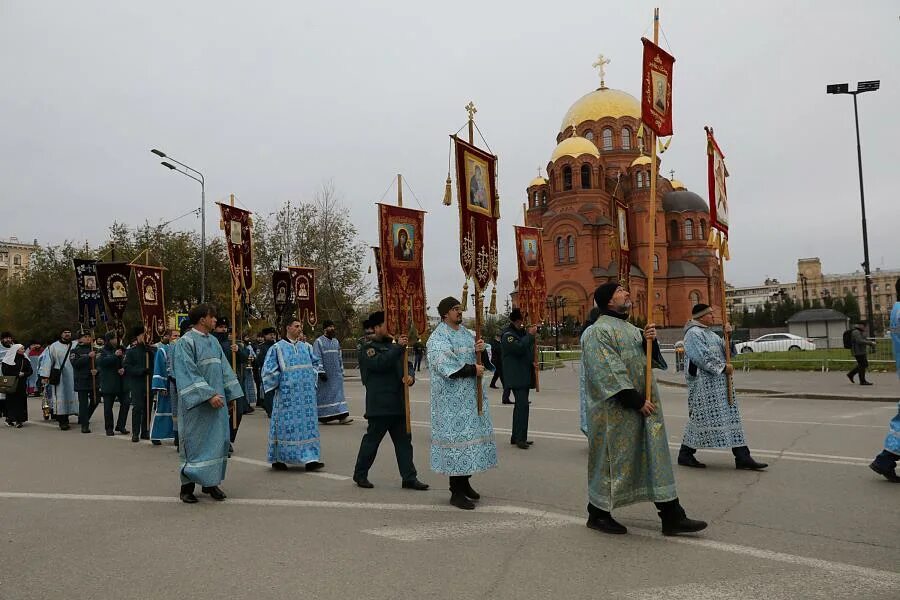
743,460
466,488
458,496
675,521
187,494
214,492
602,520
686,458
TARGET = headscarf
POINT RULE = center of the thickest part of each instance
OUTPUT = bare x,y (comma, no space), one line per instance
10,357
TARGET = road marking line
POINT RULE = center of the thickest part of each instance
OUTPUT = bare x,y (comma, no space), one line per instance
888,577
436,531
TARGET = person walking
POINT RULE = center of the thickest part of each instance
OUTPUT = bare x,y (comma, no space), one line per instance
82,358
859,346
330,400
16,364
110,372
138,376
59,379
885,464
517,350
497,361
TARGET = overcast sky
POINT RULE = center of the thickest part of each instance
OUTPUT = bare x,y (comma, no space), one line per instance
271,99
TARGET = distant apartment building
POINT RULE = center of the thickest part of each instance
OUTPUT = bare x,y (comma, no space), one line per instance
15,256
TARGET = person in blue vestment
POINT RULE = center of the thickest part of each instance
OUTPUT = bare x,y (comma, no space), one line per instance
462,441
330,393
290,372
163,425
206,385
885,464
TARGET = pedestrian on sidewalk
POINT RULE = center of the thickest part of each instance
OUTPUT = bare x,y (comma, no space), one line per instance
628,449
16,364
517,350
859,347
714,420
385,377
885,464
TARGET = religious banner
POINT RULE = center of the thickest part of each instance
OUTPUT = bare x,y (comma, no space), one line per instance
401,234
149,284
656,92
478,213
377,251
624,248
532,291
90,300
237,224
112,278
718,192
281,293
303,287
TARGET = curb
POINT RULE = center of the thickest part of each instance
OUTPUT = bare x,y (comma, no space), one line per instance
793,395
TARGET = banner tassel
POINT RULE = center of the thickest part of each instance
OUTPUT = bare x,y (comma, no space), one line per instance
493,309
725,253
448,191
465,296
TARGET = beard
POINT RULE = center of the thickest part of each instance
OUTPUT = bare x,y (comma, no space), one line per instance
624,307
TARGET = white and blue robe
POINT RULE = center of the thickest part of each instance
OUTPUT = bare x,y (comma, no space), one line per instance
163,425
330,393
35,360
892,441
294,426
202,371
462,442
63,399
712,421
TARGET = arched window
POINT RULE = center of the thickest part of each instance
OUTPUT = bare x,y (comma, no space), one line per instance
567,177
694,298
535,202
17,260
656,263
673,231
626,138
589,135
571,241
560,249
585,176
702,231
544,198
688,229
607,138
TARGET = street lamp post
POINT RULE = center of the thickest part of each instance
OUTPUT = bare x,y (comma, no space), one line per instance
554,303
861,88
202,181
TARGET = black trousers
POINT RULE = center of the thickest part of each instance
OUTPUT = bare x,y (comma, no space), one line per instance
520,416
85,399
498,374
122,421
862,363
140,418
368,448
234,424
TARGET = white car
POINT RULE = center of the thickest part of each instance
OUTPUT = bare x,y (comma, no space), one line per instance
776,342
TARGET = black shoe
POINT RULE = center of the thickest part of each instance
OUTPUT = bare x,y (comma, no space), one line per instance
145,436
469,492
865,383
250,411
135,438
314,466
494,387
110,432
363,482
675,521
85,429
415,484
748,464
459,500
214,492
123,431
688,460
188,497
522,445
529,442
850,377
889,474
279,466
606,524
64,427
156,442
507,402
19,425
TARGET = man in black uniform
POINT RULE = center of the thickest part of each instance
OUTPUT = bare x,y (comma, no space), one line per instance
264,399
517,349
138,366
382,371
110,371
82,356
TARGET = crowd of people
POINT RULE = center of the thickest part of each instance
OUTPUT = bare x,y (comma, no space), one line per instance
194,386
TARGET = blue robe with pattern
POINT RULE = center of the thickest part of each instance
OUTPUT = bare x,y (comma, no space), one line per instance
892,441
163,425
462,442
330,393
202,371
712,421
294,426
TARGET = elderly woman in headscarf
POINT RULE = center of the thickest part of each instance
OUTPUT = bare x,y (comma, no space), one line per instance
16,364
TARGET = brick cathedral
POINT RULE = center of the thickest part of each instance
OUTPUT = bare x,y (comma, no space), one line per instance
599,157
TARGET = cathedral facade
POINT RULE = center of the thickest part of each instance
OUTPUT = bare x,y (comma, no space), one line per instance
599,159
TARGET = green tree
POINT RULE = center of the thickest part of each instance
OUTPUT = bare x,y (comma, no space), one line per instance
851,307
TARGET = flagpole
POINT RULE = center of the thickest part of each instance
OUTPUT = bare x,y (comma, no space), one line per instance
726,336
405,347
651,296
233,343
479,301
536,362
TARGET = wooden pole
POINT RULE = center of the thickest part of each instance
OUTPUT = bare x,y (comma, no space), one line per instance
726,336
651,296
234,423
479,302
403,372
147,383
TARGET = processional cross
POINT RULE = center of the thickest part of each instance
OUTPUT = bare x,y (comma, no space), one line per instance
600,65
470,108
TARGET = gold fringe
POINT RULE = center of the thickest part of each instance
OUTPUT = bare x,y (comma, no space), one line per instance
725,254
448,191
712,242
464,302
222,224
493,309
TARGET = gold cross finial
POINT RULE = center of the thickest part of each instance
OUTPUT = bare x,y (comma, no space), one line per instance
470,108
539,172
672,173
600,64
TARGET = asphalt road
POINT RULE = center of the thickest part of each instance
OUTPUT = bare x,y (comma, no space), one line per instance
87,516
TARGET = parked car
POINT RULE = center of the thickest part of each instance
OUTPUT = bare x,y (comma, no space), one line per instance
776,342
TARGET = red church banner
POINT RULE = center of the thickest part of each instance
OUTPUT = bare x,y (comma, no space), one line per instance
303,287
532,291
113,281
151,297
237,224
478,213
718,191
624,247
656,89
401,236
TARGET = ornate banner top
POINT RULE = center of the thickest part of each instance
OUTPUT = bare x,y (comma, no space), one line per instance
479,210
532,290
656,92
90,298
238,227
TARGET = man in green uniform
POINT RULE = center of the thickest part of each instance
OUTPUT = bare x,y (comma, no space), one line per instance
82,357
138,365
109,379
517,350
382,371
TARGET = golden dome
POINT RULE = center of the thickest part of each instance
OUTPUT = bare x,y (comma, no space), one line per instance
640,160
677,185
538,181
605,102
575,146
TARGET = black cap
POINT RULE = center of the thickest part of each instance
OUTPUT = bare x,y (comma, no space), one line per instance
604,293
268,331
137,330
327,323
516,315
446,304
376,318
110,336
699,310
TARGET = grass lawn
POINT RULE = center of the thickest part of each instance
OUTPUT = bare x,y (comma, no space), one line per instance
882,359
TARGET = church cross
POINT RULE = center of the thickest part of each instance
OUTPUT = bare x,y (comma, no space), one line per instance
600,65
672,174
470,108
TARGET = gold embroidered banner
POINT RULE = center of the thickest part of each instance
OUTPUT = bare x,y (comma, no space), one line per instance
151,297
238,227
303,286
532,291
718,191
401,234
656,93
